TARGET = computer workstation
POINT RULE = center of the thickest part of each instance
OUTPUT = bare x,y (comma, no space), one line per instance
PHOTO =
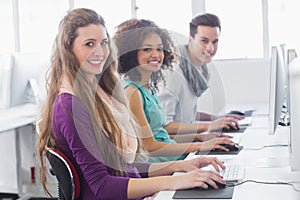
232,150
232,174
18,119
242,123
260,179
271,171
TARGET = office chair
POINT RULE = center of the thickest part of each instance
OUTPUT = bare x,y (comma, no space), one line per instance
66,175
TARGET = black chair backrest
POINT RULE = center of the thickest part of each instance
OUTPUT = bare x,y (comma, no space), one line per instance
66,174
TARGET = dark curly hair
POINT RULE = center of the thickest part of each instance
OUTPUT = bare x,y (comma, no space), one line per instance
128,38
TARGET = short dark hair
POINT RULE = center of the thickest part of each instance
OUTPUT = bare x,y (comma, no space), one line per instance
206,19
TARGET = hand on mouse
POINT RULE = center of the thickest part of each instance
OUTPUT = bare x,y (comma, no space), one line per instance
215,143
220,186
196,178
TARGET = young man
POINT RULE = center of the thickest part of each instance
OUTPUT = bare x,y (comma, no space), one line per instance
190,79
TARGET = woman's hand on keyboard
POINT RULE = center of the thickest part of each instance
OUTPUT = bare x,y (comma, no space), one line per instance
196,163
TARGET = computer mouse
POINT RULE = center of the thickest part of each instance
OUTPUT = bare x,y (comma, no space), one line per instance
220,186
236,112
234,147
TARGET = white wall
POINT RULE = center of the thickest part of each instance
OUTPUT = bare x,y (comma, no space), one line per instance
240,82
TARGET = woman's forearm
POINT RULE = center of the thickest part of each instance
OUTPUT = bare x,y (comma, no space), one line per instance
166,149
182,138
175,128
138,188
165,168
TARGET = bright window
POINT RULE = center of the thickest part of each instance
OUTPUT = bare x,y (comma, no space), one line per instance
173,15
7,30
113,11
39,22
283,21
242,28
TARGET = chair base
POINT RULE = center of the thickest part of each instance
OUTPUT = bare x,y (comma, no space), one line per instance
8,196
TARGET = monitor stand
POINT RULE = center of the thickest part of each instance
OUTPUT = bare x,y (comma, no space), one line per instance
32,92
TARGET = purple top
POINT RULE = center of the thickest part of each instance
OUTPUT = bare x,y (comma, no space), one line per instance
96,182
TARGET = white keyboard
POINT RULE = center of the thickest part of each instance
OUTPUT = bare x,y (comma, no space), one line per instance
245,122
233,173
236,137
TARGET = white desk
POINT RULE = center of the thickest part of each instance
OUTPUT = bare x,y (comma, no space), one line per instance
256,161
18,116
10,121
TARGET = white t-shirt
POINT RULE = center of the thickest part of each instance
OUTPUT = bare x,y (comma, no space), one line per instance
177,98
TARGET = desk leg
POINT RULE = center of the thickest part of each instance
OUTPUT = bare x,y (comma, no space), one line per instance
18,161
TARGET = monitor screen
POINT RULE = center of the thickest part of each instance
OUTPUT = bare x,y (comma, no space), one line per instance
277,88
27,78
284,49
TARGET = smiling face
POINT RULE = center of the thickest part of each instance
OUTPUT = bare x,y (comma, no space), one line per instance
204,45
150,55
91,49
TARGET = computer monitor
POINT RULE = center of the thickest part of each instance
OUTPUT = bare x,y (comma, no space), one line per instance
277,88
294,109
27,78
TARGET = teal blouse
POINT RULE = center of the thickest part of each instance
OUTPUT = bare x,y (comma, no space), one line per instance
156,118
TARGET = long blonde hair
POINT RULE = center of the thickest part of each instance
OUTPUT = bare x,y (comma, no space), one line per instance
64,62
